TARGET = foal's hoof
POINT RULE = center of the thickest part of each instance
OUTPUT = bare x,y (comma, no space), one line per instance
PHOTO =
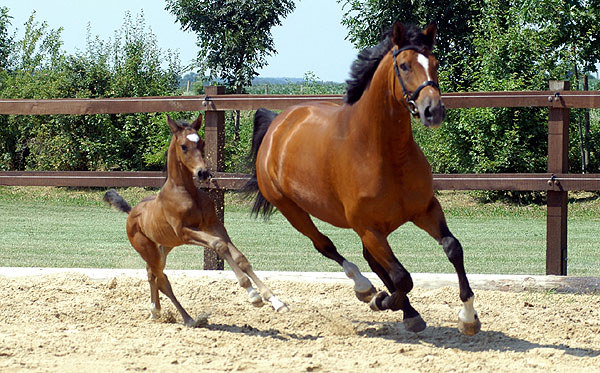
278,305
201,321
415,324
469,328
366,296
256,299
375,302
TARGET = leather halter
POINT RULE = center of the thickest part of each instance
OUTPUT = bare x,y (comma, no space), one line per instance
410,98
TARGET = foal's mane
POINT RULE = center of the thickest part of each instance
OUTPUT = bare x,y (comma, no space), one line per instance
368,59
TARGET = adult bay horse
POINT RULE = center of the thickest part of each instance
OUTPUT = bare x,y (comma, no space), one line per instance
183,214
357,166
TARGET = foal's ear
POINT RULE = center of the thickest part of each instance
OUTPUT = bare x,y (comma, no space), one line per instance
197,123
172,124
430,33
398,33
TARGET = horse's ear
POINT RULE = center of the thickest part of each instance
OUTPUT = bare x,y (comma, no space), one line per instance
430,33
398,33
197,123
172,124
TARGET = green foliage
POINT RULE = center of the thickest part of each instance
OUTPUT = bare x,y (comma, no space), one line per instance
234,37
130,66
493,45
5,39
309,85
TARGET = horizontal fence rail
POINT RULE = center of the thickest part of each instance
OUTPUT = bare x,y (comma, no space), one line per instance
71,106
556,182
232,181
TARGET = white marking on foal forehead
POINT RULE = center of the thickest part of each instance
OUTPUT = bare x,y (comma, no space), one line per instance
193,137
424,61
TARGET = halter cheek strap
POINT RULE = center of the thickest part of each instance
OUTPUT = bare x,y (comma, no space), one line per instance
410,98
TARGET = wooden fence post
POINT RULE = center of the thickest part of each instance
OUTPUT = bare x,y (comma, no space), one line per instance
214,137
558,163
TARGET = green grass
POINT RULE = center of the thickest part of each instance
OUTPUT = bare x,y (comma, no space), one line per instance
65,227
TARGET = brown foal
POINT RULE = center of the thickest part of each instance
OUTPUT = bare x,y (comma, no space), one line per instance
181,214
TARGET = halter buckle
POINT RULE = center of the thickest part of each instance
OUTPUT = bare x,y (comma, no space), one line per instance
412,107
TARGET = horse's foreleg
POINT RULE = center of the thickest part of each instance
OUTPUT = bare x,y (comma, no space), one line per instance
434,223
220,242
242,262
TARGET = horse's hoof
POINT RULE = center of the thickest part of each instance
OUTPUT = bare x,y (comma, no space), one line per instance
415,324
469,328
375,302
283,308
201,321
366,296
255,298
278,305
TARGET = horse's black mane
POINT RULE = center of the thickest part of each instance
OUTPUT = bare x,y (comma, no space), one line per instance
368,59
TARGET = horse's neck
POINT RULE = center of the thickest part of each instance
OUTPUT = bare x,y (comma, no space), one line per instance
382,117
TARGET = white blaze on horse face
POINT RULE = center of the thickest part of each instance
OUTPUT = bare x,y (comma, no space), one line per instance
193,137
424,61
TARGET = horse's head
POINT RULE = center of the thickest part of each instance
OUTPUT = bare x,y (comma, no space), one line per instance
415,68
189,147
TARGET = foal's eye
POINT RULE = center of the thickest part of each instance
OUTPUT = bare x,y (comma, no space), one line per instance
184,148
404,67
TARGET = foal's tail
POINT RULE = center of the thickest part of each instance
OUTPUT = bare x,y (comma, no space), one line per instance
115,200
262,121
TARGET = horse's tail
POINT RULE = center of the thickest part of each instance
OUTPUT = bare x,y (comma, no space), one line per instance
115,200
262,121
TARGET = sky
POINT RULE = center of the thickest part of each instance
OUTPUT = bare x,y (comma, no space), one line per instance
309,39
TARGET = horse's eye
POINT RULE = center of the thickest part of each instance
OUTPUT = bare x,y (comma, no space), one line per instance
404,67
184,148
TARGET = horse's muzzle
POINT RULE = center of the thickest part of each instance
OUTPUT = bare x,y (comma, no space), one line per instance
432,112
203,175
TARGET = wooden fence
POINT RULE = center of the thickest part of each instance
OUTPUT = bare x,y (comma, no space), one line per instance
557,182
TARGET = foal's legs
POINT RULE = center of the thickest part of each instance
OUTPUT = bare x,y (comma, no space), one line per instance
217,239
381,259
300,220
434,223
155,257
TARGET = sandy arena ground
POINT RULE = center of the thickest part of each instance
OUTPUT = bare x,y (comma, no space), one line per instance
71,322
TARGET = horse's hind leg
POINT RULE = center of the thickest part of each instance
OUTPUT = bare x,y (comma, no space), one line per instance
363,288
412,319
381,259
154,298
434,223
155,257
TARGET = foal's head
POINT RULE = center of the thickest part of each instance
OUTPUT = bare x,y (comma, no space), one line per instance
189,147
415,69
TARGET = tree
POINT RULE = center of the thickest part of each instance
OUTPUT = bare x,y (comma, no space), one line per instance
5,38
367,19
234,37
492,45
131,65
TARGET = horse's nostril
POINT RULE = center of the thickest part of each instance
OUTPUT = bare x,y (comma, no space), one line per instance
203,175
428,112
